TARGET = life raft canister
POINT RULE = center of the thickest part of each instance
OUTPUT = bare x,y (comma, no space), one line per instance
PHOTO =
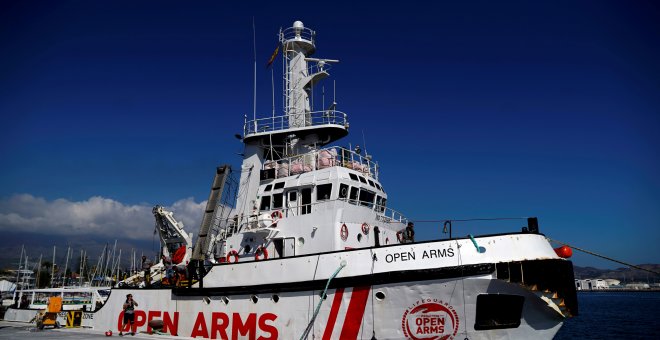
344,232
365,228
232,254
260,251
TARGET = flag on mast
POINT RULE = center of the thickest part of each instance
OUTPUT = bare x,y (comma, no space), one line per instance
272,57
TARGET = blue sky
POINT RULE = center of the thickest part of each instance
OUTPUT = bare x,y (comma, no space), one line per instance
472,108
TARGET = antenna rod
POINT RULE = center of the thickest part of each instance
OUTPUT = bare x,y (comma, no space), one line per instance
254,100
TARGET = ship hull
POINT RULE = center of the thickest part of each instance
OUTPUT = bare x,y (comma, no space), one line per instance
430,290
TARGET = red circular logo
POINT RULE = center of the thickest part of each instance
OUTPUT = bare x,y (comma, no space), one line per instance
430,319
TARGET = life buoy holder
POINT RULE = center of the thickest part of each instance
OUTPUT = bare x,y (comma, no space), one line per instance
260,251
277,215
399,236
232,254
365,228
344,232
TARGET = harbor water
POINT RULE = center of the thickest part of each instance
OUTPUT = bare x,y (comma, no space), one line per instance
614,315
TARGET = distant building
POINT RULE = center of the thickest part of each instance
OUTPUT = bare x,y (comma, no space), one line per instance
638,286
592,284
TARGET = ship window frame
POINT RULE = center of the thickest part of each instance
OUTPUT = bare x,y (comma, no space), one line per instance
326,190
265,203
353,177
362,179
278,185
268,187
278,198
365,203
345,195
371,183
378,186
353,199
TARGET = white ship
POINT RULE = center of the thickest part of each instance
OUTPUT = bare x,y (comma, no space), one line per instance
309,248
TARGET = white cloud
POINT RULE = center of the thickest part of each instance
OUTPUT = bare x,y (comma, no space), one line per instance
96,216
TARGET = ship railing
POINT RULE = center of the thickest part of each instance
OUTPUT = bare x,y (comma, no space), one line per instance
292,33
321,159
258,220
288,121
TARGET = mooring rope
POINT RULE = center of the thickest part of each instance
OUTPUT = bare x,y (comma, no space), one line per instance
604,257
318,307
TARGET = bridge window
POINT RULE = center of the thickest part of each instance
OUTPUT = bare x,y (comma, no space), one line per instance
362,179
378,186
371,183
343,191
323,192
278,201
379,204
353,196
268,187
265,203
353,176
279,185
306,201
367,198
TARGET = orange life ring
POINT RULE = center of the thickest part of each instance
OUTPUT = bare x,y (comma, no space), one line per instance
365,228
260,250
232,254
277,215
399,236
344,232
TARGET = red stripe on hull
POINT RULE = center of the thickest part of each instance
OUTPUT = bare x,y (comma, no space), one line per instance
355,313
334,310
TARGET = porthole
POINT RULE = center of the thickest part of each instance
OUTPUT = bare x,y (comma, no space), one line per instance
225,300
275,298
254,298
301,241
207,300
380,296
359,237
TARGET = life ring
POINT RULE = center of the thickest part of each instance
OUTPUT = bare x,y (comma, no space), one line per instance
399,236
365,228
277,215
260,250
344,232
232,254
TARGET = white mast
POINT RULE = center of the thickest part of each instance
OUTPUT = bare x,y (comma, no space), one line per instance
52,273
66,266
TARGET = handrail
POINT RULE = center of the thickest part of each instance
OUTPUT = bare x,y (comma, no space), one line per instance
321,159
383,213
290,34
283,122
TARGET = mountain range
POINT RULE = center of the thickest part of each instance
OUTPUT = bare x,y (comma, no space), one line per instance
625,275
